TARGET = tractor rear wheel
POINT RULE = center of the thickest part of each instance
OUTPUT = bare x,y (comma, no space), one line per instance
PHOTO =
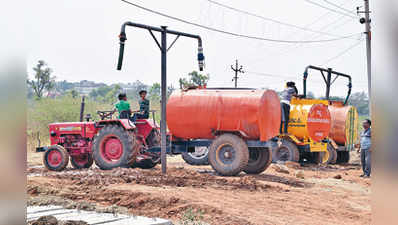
286,151
56,158
82,161
114,147
259,160
198,158
228,154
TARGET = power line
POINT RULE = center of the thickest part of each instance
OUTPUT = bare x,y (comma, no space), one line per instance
343,52
337,6
270,75
236,34
272,20
330,9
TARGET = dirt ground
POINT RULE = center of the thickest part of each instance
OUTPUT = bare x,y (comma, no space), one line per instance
322,195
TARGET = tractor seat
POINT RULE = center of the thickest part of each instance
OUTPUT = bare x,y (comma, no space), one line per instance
125,114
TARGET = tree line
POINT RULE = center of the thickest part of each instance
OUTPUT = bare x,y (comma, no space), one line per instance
43,84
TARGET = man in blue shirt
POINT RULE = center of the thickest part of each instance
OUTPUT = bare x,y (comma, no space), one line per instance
365,148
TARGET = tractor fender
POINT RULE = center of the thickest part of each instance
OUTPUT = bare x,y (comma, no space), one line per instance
125,123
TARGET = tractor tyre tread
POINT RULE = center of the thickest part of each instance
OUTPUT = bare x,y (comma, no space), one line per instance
129,152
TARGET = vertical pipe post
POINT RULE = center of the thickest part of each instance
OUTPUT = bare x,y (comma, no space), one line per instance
368,53
236,73
163,103
82,109
328,80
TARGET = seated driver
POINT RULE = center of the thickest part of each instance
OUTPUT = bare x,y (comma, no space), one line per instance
123,107
144,106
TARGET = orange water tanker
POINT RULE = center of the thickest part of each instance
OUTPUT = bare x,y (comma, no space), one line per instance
344,128
203,113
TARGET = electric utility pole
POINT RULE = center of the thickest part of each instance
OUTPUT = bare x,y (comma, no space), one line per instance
236,72
368,34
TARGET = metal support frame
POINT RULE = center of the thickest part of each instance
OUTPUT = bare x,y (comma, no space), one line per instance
163,48
328,80
183,146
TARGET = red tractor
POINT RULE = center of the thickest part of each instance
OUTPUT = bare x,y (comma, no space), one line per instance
109,142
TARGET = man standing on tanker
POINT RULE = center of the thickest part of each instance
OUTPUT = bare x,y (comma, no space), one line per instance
286,96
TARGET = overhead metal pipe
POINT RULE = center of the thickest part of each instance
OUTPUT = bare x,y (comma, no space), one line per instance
163,48
327,80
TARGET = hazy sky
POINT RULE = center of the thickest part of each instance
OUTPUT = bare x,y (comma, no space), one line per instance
79,40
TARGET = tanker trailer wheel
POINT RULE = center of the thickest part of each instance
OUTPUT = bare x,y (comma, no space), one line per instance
197,158
228,154
81,161
56,158
317,157
259,160
343,157
287,151
332,154
113,147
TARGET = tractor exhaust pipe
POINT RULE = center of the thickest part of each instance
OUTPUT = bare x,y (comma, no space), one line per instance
82,109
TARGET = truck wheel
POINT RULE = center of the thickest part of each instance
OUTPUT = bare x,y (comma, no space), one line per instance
316,157
198,158
56,158
332,154
287,151
81,161
114,147
259,160
228,155
343,156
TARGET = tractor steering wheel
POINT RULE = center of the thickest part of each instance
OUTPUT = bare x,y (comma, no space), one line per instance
105,114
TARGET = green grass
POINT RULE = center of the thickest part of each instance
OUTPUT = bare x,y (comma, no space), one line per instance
192,217
42,112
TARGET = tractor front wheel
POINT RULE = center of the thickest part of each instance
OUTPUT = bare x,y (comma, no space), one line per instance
81,161
228,154
114,147
56,158
259,160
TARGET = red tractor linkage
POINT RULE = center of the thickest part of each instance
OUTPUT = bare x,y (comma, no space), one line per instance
109,142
